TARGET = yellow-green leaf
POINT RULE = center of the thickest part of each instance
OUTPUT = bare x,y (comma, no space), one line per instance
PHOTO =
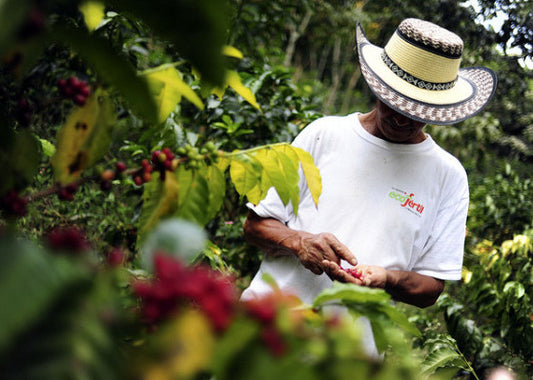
216,182
234,81
194,196
244,173
230,51
282,172
311,172
84,137
160,200
167,88
93,13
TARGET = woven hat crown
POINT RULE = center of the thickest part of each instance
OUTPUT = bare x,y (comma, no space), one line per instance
432,36
424,54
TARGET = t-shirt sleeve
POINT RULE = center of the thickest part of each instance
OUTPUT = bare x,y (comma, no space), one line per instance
443,253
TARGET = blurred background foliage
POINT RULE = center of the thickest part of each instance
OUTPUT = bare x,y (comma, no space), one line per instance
298,59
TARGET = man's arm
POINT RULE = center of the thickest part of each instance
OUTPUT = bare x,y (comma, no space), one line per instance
405,286
275,238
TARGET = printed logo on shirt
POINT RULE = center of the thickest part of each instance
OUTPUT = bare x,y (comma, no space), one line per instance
407,201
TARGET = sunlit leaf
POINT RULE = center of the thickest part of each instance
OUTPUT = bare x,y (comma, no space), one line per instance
93,13
84,138
167,87
230,51
160,200
49,149
234,81
311,172
244,173
282,173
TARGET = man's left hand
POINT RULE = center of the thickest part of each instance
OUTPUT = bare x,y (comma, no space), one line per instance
371,275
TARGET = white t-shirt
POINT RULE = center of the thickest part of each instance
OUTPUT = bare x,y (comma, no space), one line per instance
399,206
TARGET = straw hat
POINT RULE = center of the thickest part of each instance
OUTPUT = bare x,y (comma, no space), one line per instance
418,74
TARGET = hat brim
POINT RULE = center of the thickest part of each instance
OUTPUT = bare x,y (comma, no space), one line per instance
474,88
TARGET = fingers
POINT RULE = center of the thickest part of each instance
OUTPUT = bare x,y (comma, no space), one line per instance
315,248
340,250
335,272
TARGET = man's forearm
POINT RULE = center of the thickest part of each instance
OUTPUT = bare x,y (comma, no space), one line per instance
271,235
413,288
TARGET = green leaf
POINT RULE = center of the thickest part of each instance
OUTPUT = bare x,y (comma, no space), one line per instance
110,66
160,200
48,148
216,182
167,87
234,81
440,358
93,13
41,277
351,292
194,196
84,138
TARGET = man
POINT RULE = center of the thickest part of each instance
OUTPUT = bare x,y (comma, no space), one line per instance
393,204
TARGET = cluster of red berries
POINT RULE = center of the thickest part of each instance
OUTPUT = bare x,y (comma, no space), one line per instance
66,193
144,174
12,204
75,89
108,175
70,239
265,311
177,285
164,160
353,271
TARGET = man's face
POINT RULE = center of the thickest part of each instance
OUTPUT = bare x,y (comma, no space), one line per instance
397,128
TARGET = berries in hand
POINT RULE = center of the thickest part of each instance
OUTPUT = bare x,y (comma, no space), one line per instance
353,271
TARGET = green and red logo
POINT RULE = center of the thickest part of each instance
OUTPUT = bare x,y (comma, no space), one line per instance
407,201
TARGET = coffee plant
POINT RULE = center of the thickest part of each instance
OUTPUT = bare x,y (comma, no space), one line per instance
131,138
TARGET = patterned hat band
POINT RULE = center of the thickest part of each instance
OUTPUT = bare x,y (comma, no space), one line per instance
432,86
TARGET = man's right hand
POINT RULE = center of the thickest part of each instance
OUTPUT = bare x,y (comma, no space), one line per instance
313,249
276,238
